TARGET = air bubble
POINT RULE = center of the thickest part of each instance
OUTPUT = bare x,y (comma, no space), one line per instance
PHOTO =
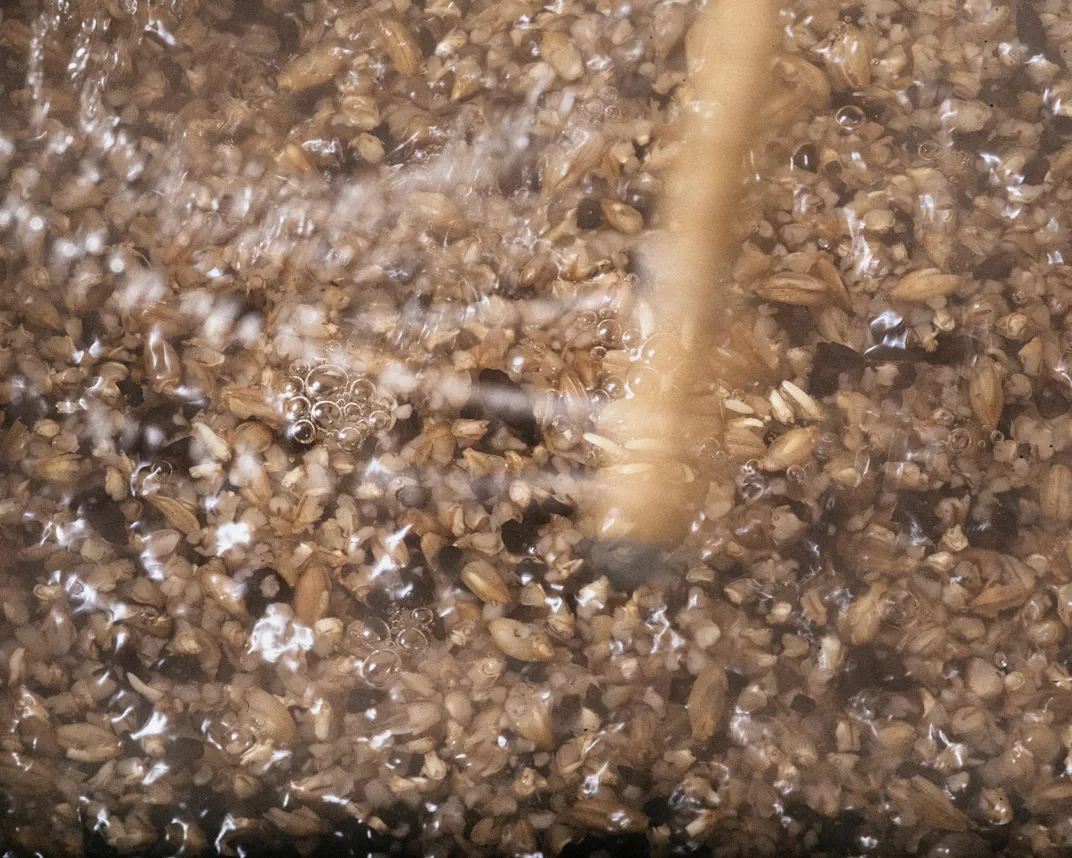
379,421
663,351
644,381
614,387
928,150
588,318
349,438
959,439
326,413
292,386
295,407
387,403
369,633
997,437
598,353
362,388
325,380
412,641
422,616
632,338
380,666
850,117
606,313
303,432
598,398
609,332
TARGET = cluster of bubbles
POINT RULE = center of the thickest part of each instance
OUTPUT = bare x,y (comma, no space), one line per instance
655,360
385,645
326,403
628,362
609,335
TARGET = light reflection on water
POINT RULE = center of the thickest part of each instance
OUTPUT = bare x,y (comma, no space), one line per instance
570,337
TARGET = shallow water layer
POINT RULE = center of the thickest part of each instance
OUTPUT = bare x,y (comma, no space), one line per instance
314,322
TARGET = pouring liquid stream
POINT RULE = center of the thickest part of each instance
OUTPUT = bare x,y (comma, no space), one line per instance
342,347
